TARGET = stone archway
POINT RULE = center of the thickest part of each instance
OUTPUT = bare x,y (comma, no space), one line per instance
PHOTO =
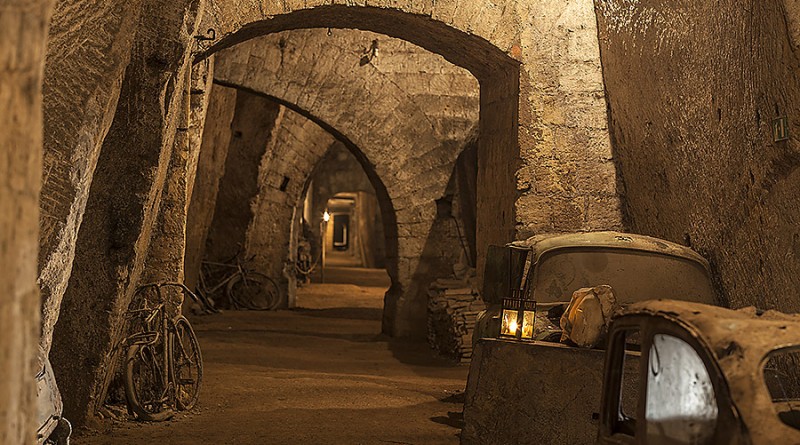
544,151
297,149
408,152
497,72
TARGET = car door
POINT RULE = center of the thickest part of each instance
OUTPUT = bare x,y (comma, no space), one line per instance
674,394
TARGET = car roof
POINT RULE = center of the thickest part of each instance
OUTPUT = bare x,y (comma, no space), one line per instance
541,244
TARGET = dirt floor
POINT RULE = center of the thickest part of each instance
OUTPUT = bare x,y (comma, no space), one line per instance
320,374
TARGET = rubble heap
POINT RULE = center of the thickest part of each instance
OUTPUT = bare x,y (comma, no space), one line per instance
453,307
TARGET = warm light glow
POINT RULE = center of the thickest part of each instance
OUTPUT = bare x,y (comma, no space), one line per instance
326,216
509,324
518,319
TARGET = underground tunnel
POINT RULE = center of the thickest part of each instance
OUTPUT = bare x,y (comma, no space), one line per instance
433,222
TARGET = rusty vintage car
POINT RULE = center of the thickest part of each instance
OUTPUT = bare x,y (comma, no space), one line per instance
673,373
706,375
549,268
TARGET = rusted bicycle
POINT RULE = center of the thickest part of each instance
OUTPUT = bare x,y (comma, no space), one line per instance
243,287
163,364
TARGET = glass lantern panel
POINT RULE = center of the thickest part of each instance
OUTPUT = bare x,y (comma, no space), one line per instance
528,324
510,323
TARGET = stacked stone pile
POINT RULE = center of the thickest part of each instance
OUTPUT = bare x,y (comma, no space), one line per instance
453,308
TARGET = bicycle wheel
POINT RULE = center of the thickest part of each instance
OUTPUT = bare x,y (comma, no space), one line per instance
187,364
254,291
145,387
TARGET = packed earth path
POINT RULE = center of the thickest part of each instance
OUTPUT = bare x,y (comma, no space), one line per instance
319,374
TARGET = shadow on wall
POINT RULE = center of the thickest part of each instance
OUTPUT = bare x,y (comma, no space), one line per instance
443,247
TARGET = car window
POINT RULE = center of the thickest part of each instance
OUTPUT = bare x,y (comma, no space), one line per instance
681,406
782,376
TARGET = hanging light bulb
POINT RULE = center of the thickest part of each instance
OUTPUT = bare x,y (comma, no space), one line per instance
326,216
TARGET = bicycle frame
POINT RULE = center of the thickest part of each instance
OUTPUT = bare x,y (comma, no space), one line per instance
224,281
152,334
241,271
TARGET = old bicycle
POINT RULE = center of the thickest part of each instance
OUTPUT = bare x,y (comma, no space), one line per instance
244,287
163,365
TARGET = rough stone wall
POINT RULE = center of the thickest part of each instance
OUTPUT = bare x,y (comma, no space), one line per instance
80,96
22,54
294,150
200,98
121,210
253,122
693,89
407,147
568,178
210,168
545,151
167,253
407,100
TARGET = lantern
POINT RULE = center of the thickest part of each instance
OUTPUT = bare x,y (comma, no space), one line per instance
517,317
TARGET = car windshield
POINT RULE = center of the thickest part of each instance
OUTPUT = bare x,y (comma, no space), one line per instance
782,376
634,275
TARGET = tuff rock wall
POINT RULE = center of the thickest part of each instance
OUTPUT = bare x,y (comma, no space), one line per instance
693,89
22,54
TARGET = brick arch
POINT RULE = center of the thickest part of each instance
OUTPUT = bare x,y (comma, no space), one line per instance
297,147
395,136
402,149
544,153
406,223
469,34
473,35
